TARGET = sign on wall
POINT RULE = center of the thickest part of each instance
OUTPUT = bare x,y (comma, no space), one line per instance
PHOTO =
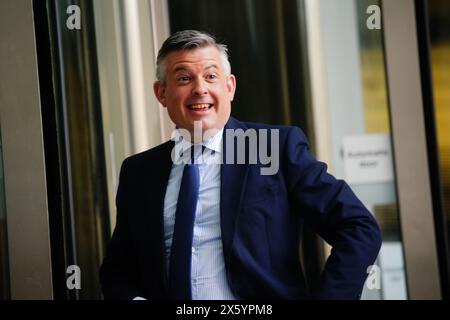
368,159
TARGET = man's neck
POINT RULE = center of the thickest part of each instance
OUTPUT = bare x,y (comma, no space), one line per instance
197,137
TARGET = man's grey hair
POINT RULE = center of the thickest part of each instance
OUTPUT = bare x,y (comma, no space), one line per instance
189,40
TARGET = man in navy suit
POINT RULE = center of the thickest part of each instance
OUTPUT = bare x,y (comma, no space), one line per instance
223,228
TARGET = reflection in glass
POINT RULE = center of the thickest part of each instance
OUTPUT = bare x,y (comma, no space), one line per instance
81,151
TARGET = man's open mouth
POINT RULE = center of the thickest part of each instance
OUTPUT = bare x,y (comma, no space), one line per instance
200,106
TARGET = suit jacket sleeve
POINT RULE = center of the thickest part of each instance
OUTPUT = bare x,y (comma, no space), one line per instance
118,270
332,209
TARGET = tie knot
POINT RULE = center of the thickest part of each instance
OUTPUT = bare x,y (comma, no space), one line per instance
196,152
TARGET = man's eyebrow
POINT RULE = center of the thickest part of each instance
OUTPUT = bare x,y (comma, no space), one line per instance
181,68
212,66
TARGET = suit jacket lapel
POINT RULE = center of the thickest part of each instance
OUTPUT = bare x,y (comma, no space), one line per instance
159,178
233,178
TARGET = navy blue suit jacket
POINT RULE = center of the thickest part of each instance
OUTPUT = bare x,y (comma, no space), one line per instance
261,222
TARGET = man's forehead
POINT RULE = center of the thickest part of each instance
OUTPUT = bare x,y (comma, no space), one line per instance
205,57
182,66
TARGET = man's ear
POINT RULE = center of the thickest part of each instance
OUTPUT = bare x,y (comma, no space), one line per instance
231,86
160,92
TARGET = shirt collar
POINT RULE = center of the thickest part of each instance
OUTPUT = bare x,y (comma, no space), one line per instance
213,143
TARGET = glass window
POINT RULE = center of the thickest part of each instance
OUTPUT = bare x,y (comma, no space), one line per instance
439,24
85,210
103,75
356,121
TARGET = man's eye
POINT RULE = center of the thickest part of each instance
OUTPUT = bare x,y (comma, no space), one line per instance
211,76
184,78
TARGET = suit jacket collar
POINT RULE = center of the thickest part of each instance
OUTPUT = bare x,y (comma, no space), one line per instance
232,185
160,178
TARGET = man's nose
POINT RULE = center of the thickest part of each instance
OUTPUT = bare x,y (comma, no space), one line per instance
200,88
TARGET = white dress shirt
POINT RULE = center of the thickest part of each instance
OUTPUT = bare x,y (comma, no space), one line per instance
208,275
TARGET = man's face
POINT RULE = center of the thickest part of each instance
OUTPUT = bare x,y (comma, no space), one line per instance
196,89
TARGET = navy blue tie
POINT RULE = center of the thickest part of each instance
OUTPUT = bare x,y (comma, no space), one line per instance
180,257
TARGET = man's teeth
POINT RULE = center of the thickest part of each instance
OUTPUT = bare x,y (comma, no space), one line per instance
199,106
